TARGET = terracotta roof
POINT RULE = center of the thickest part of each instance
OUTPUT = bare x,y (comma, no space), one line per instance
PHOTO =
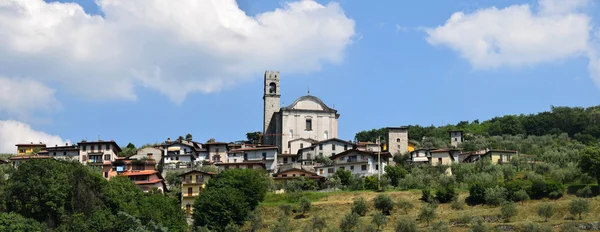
445,149
252,149
143,182
360,152
23,157
198,171
139,173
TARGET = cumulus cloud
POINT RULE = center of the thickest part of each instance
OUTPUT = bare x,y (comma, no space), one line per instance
14,132
21,96
516,35
173,47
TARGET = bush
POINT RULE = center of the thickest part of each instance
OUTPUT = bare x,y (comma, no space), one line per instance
427,214
343,175
508,210
395,173
584,192
546,210
304,205
520,196
383,203
319,223
379,219
464,219
15,222
255,220
232,228
356,183
476,194
457,204
286,209
282,224
445,194
440,227
405,205
568,227
495,195
218,207
349,222
371,183
405,224
359,206
478,225
427,195
579,206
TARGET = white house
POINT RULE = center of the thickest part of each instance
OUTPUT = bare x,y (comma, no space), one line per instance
266,154
217,151
180,151
62,152
98,152
363,163
325,148
293,146
420,156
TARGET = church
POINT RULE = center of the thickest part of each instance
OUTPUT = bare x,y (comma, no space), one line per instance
305,121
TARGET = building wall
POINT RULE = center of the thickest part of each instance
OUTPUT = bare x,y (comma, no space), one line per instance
497,157
148,152
456,138
85,151
445,156
411,147
65,154
271,106
324,125
185,153
196,189
294,146
419,156
326,151
397,139
217,149
326,171
368,161
28,149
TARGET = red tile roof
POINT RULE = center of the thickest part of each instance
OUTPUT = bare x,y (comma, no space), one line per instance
139,173
142,182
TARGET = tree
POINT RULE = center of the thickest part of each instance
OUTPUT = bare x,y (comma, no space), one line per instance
495,195
282,225
188,137
444,194
211,140
319,223
427,214
546,210
286,209
359,206
405,205
590,162
256,221
173,179
218,207
404,224
379,219
252,183
579,206
16,222
395,173
343,175
508,210
383,203
304,205
349,222
520,196
478,225
180,138
253,137
440,226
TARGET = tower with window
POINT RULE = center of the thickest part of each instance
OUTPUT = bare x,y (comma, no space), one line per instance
271,98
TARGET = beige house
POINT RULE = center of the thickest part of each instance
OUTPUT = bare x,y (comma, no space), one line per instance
98,152
363,163
444,156
193,182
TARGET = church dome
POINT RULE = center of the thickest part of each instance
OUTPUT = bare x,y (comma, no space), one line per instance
308,102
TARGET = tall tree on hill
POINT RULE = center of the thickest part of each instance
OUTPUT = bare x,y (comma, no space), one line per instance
253,137
188,137
590,162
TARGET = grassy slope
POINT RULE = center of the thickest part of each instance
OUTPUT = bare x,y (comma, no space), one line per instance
334,206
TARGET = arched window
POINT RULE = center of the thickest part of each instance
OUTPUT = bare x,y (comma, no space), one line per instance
325,135
272,87
291,134
398,140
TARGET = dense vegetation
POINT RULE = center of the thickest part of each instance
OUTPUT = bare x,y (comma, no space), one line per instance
53,195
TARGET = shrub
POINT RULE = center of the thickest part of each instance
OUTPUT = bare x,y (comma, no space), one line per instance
255,220
457,204
371,183
405,205
584,192
286,209
427,195
370,228
546,210
379,219
508,210
359,206
520,196
384,203
478,225
427,214
568,227
343,175
304,205
440,227
232,228
579,206
395,173
495,195
465,219
405,224
445,194
356,183
476,194
319,223
282,224
349,222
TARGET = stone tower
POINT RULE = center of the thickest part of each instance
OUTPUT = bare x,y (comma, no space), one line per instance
397,140
271,100
456,138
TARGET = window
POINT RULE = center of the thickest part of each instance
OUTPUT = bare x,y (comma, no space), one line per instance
398,146
398,140
440,160
291,134
105,174
93,148
320,146
303,174
283,175
235,160
22,151
352,167
363,167
309,124
321,154
64,153
330,170
176,157
54,153
190,191
293,174
376,166
333,153
264,155
188,209
333,147
285,160
217,150
455,140
326,135
320,171
199,179
272,88
107,157
107,147
301,145
345,147
188,179
308,156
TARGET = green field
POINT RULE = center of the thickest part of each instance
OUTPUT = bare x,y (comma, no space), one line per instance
334,206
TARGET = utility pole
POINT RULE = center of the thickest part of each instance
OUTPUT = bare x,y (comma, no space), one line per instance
379,164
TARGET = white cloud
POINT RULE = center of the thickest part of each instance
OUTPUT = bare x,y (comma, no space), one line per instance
14,132
516,35
174,47
20,96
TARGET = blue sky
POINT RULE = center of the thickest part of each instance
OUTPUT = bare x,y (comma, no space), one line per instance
388,75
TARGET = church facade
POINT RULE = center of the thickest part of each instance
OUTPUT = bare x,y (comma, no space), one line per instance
307,118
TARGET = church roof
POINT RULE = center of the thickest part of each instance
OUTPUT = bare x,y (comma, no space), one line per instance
309,98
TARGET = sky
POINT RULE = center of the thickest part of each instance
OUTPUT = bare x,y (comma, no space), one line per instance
142,71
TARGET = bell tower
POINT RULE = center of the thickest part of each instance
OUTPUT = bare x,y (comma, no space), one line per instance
271,98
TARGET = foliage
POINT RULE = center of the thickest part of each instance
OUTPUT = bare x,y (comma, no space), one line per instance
405,224
319,223
579,206
590,162
427,195
349,222
372,183
508,210
395,173
253,137
256,221
231,227
405,205
569,227
520,196
457,204
252,184
445,194
218,207
584,192
546,210
173,179
359,206
495,196
16,222
343,175
282,225
478,225
440,226
188,137
477,193
286,209
379,219
427,214
383,203
356,183
304,205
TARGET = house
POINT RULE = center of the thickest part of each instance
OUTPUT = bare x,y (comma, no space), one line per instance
294,145
217,152
98,152
325,148
259,165
363,163
456,137
266,154
192,185
499,156
62,152
444,156
420,156
290,174
154,153
29,148
286,159
180,151
19,159
368,146
141,172
411,146
397,140
147,180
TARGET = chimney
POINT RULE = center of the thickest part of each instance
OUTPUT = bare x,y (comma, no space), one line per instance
67,144
168,140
